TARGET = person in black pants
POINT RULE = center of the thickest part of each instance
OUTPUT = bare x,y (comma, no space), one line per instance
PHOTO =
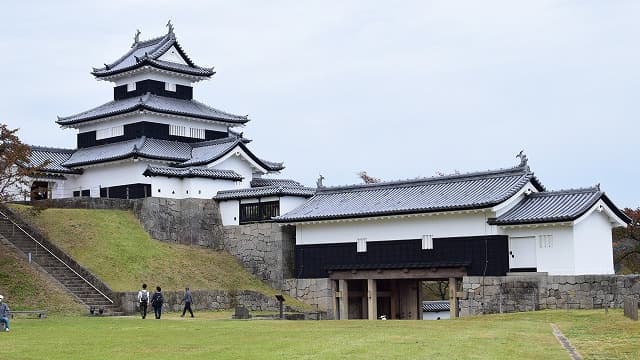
188,300
143,300
156,301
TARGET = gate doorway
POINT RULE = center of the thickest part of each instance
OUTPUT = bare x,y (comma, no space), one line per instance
40,190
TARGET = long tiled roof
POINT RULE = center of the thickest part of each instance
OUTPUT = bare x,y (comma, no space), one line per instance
184,155
260,182
554,206
445,193
55,157
435,306
154,103
148,53
191,172
273,190
210,151
142,147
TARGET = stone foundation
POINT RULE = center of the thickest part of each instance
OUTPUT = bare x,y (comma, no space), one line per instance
205,300
504,294
264,249
315,292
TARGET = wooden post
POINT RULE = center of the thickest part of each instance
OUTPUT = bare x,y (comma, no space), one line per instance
334,300
372,293
394,299
344,300
453,303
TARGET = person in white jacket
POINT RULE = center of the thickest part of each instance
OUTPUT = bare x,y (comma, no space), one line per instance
143,300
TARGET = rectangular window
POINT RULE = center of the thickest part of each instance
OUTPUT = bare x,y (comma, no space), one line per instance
197,133
177,130
361,245
259,212
427,242
169,87
131,86
546,241
110,132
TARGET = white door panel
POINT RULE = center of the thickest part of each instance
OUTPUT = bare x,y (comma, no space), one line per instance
522,252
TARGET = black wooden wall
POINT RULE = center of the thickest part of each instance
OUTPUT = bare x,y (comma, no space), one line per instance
314,261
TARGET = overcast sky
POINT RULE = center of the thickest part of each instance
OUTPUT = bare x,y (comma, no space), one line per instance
400,89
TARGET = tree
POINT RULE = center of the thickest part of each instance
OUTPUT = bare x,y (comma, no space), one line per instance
626,244
15,166
366,178
435,290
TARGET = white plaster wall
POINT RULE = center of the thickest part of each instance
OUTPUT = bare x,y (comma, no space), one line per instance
239,165
203,188
288,203
172,55
166,187
440,225
230,212
593,246
160,119
114,174
556,260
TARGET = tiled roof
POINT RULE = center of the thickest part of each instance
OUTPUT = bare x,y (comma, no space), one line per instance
55,157
154,103
554,206
445,193
142,147
274,190
185,155
435,306
209,151
192,172
260,182
147,53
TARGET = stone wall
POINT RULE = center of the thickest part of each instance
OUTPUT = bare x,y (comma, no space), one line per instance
264,249
316,292
206,300
505,294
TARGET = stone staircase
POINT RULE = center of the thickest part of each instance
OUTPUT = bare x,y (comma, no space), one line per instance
57,265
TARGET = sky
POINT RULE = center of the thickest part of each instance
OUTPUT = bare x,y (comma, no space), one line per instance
399,89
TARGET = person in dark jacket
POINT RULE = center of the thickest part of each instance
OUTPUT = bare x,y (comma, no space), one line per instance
188,300
4,313
156,301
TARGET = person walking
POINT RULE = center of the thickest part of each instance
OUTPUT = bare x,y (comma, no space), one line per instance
143,300
156,301
188,300
4,313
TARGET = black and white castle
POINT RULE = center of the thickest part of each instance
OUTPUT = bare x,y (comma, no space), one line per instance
155,139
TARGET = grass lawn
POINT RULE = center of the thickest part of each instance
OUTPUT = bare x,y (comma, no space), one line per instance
113,245
210,335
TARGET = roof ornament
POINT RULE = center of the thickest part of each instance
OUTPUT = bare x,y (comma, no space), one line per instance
106,67
319,183
136,38
523,158
169,26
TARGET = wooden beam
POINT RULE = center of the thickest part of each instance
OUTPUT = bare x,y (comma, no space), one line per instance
418,274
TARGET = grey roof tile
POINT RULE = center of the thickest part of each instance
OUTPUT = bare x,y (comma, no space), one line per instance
274,190
435,306
55,157
455,192
210,151
154,103
147,53
554,206
260,182
191,172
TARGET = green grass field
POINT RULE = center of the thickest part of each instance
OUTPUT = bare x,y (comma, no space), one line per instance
113,245
211,336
